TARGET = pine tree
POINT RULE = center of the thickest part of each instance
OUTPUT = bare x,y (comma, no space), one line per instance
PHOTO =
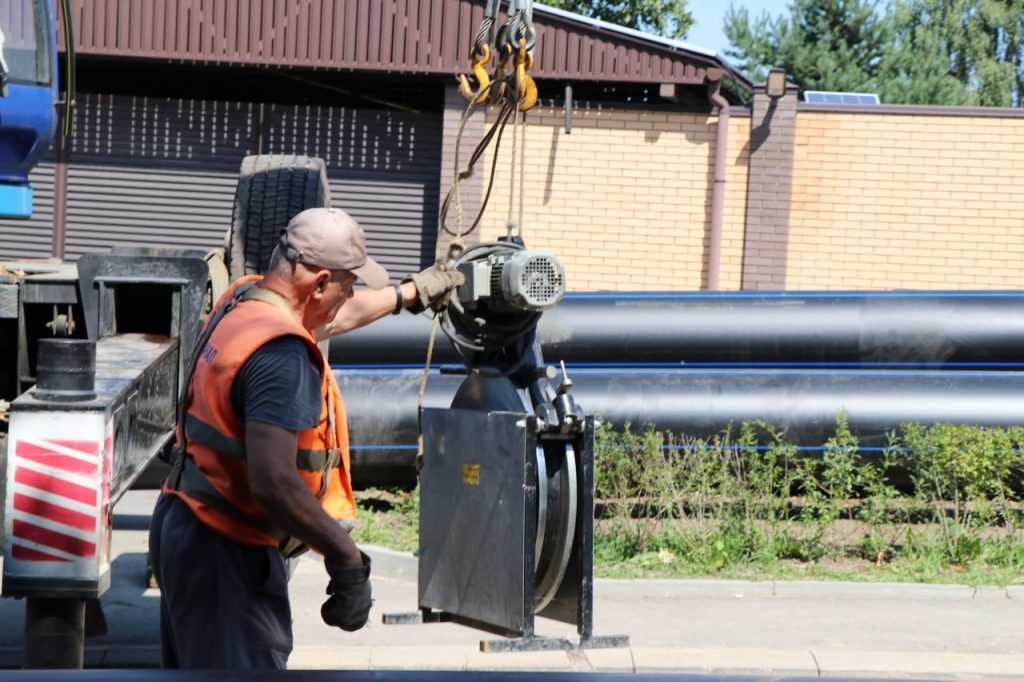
917,68
979,42
822,44
951,52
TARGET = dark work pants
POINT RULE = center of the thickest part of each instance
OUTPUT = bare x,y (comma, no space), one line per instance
223,605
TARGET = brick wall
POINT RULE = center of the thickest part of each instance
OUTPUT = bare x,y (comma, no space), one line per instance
625,198
907,201
901,198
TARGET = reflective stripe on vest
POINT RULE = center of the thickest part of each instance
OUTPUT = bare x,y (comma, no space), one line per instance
195,484
199,431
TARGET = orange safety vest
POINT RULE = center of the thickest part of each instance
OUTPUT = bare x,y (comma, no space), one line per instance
214,476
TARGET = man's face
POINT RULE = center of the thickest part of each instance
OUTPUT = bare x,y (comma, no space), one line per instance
339,290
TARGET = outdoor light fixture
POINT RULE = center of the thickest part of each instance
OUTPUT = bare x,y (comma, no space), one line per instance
776,85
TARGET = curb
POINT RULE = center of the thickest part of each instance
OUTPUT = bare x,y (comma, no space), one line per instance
800,663
388,563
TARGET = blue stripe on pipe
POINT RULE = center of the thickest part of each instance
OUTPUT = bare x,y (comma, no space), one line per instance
709,365
796,372
363,369
406,366
795,295
766,448
759,448
768,364
703,371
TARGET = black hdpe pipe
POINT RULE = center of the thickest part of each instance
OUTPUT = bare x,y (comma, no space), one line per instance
698,403
950,330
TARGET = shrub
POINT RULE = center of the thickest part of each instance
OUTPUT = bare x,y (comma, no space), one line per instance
747,498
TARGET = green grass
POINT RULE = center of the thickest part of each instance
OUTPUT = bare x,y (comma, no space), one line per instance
389,519
927,565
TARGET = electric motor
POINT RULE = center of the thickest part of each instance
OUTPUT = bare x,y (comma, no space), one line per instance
507,288
525,280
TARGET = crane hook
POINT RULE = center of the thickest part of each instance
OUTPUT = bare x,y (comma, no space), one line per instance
526,88
483,80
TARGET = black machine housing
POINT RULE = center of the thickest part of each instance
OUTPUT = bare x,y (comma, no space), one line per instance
507,476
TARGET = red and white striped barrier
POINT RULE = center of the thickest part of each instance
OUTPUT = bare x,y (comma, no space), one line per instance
57,510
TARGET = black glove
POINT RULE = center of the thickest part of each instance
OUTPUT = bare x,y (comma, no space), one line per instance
433,287
348,606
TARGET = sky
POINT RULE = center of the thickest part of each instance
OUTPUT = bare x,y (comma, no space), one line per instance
709,16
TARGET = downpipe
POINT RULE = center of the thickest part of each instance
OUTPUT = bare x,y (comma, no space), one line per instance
718,186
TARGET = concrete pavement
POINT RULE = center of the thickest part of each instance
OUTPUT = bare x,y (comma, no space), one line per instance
807,629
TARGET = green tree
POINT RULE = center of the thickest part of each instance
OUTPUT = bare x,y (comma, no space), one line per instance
908,51
956,52
917,68
822,44
668,18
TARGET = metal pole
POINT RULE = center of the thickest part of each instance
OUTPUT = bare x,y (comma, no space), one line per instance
54,633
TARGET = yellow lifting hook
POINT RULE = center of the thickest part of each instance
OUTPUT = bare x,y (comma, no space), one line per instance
482,79
526,88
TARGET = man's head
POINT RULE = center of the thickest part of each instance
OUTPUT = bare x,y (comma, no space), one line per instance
325,252
330,238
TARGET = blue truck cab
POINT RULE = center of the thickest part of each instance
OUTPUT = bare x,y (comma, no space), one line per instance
28,116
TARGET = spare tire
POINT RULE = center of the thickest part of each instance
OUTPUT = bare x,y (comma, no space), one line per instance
272,189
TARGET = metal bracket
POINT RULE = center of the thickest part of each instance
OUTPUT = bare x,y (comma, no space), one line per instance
416,617
504,646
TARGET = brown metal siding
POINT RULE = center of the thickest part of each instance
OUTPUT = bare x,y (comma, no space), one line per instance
18,21
384,168
154,172
162,172
406,36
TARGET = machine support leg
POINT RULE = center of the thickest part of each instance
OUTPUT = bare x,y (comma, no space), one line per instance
54,633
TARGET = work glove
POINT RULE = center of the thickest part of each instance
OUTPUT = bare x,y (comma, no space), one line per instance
434,287
348,606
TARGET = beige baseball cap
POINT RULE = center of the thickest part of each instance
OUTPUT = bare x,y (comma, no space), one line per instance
330,238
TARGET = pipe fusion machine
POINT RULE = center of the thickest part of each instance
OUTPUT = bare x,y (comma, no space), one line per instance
507,472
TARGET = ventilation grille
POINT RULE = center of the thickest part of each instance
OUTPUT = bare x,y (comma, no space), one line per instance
541,281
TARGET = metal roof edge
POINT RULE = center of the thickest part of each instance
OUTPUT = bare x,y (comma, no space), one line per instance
913,110
601,25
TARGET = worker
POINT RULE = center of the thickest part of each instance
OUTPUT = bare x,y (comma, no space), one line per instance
262,463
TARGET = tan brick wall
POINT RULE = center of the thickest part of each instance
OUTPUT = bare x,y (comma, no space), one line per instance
625,198
907,201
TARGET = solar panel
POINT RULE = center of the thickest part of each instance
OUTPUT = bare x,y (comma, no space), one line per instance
825,97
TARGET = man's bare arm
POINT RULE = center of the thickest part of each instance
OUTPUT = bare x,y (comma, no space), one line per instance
366,306
277,487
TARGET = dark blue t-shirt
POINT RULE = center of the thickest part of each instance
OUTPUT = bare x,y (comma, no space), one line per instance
279,385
